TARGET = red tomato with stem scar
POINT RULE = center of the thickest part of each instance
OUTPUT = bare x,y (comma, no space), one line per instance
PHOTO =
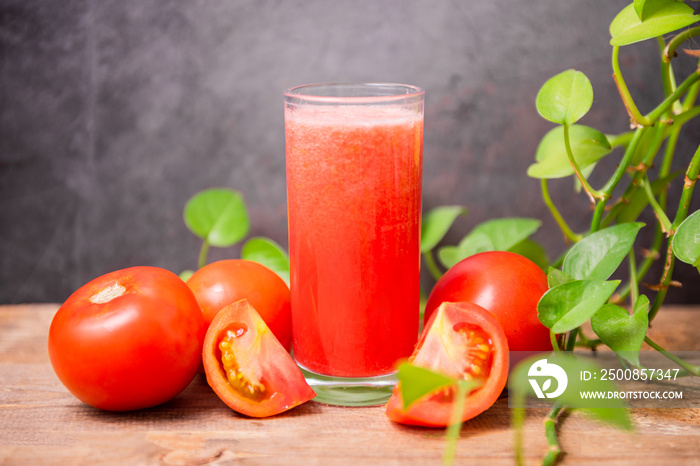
128,340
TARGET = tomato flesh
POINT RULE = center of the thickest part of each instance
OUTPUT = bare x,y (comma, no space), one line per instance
248,368
237,379
463,341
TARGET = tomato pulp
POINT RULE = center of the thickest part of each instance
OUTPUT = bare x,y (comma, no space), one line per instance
354,202
248,368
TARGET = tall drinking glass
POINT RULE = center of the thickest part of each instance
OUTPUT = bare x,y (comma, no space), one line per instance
354,172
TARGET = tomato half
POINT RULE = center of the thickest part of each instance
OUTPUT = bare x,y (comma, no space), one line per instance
127,340
248,368
463,341
506,284
221,283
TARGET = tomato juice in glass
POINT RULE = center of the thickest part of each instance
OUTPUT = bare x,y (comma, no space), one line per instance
354,169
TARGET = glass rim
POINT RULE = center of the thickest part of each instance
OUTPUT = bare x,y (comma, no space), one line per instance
299,92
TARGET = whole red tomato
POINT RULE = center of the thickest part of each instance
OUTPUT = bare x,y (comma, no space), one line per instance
127,340
221,283
506,284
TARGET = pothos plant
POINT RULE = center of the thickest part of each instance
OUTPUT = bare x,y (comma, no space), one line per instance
580,287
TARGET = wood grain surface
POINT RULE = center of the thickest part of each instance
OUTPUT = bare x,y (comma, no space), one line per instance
41,423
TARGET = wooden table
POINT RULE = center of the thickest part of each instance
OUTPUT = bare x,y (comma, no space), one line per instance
41,423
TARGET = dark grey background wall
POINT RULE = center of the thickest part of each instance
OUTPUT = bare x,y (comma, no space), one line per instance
113,113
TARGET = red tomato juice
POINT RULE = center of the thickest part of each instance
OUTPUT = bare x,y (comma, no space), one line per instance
354,178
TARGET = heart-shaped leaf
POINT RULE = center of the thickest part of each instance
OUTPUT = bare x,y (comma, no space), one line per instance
686,241
436,223
660,17
587,144
505,233
565,98
622,332
570,305
473,243
493,235
268,253
598,255
218,216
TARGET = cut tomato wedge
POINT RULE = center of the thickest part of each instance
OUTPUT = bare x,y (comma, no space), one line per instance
462,341
248,368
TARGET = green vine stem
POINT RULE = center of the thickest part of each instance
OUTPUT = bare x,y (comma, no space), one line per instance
634,283
592,193
691,178
571,342
670,50
664,106
519,400
658,210
640,171
615,179
690,368
432,265
550,431
667,76
203,252
568,233
635,115
455,426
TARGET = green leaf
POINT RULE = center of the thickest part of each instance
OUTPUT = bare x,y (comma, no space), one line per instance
493,235
505,233
631,211
587,144
268,253
647,8
186,274
611,411
565,98
570,305
686,241
417,382
660,17
622,332
533,251
473,243
556,277
218,216
436,224
598,255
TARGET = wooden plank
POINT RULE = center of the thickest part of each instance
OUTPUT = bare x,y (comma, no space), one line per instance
40,422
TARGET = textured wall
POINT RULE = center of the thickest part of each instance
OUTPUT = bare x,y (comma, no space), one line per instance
113,113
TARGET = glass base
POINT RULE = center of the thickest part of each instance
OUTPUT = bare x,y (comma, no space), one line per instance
351,391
